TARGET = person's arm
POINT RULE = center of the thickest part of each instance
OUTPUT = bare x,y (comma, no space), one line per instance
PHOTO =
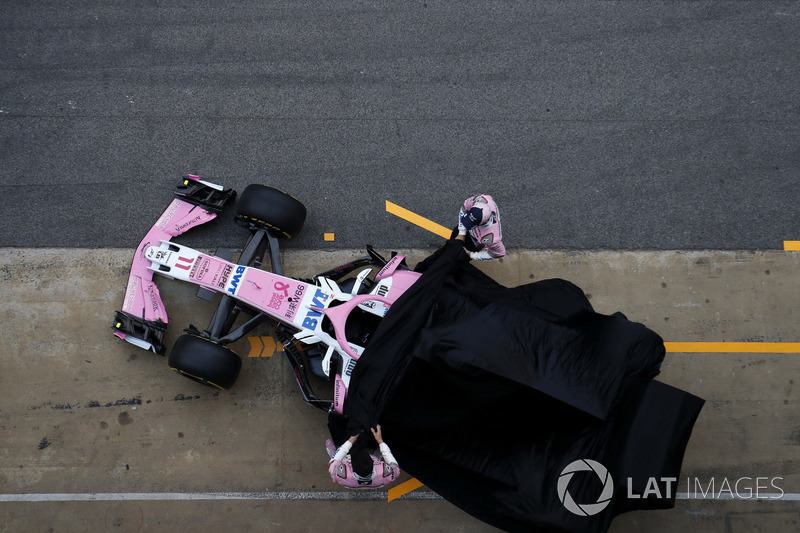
463,238
344,449
497,248
462,230
386,453
483,255
494,247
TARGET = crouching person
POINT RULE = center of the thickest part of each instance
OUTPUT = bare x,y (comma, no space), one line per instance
353,466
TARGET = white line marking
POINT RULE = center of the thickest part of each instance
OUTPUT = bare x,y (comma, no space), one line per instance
322,496
199,496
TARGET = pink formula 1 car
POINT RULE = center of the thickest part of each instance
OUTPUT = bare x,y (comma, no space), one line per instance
332,316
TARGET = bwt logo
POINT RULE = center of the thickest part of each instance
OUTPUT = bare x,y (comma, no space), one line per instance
237,278
585,509
311,318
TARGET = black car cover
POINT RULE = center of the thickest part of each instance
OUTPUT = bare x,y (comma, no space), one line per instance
522,406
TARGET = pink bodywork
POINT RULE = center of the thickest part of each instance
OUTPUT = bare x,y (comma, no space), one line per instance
292,302
142,298
401,280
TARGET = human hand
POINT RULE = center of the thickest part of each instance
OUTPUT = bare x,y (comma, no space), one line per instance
353,439
377,434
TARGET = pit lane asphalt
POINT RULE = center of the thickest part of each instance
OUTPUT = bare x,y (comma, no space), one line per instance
597,125
99,435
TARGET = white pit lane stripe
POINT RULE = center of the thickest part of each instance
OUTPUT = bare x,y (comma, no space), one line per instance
320,496
201,496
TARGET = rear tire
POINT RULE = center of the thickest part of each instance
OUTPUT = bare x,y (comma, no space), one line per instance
264,207
205,361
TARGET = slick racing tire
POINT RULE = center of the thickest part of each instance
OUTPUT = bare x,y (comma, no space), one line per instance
205,361
264,207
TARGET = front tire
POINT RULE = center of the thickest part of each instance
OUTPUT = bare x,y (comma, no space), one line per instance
205,361
264,207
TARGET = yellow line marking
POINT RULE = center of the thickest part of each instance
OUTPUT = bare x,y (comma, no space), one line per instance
732,347
418,220
791,246
404,488
329,237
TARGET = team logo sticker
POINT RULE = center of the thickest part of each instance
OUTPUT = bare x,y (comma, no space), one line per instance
585,509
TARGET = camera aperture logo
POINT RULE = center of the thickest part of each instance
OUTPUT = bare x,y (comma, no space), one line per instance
585,509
